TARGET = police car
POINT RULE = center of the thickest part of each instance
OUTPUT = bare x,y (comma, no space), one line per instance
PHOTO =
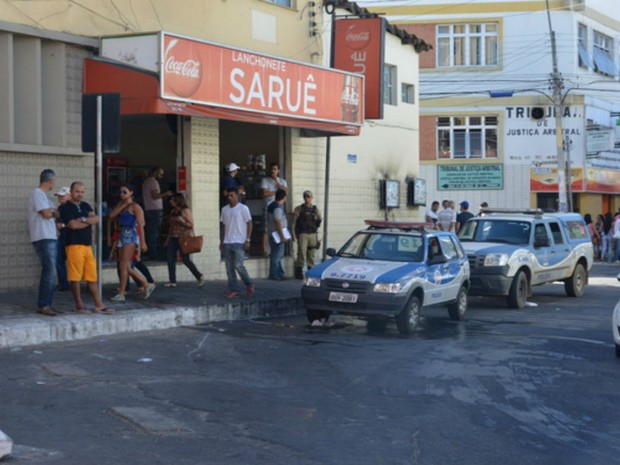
390,269
511,251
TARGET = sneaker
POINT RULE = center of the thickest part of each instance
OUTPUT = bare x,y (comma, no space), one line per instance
118,298
231,294
149,290
250,290
170,285
201,282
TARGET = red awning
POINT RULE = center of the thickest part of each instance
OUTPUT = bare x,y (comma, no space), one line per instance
139,90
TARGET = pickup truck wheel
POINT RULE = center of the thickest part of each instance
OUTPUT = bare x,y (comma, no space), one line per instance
407,319
313,315
517,297
458,308
575,285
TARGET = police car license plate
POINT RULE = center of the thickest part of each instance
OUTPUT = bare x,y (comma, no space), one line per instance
342,297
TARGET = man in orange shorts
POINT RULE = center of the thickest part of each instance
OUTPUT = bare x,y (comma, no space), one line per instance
79,218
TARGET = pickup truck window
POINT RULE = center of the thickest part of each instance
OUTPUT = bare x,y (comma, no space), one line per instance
556,232
540,232
577,230
492,230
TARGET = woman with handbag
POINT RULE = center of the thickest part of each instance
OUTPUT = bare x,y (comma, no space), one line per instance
181,227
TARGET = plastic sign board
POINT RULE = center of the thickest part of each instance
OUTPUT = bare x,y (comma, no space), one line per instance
201,72
470,177
359,47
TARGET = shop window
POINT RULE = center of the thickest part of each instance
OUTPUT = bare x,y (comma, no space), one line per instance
603,55
407,93
389,84
467,45
464,137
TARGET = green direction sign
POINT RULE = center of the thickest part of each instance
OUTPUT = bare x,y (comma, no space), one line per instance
470,177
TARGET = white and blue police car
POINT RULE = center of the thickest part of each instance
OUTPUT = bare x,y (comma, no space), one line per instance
390,270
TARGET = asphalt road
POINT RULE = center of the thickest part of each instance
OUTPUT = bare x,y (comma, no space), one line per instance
536,386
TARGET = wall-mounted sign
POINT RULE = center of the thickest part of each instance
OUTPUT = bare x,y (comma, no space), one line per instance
605,181
529,141
470,177
196,71
600,140
352,157
389,193
544,179
359,46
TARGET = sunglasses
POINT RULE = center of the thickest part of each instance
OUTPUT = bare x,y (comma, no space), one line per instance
124,191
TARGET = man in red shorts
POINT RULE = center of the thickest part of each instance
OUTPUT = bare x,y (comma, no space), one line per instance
79,218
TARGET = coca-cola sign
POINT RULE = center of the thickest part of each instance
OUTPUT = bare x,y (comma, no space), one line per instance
183,69
358,36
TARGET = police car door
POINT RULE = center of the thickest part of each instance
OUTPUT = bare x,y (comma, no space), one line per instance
450,269
542,252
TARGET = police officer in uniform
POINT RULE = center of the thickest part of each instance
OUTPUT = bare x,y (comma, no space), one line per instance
307,223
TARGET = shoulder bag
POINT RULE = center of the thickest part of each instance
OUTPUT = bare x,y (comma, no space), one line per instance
190,244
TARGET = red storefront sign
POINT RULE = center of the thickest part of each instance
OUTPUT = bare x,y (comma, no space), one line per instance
359,46
182,178
200,72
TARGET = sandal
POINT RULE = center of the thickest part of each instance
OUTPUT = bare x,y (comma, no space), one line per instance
83,311
105,310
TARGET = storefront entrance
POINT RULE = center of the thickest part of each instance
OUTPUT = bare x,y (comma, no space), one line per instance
253,147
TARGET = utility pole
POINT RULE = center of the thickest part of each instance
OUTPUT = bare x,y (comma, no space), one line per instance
557,84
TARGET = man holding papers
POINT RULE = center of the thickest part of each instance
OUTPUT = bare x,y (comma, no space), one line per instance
277,228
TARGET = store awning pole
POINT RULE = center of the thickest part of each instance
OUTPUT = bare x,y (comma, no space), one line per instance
99,191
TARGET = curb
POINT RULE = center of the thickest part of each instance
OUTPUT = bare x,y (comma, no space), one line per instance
34,330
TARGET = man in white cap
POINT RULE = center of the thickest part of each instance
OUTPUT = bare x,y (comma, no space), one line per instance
230,180
61,257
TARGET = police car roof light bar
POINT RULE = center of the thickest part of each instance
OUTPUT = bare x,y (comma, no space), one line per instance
514,211
402,225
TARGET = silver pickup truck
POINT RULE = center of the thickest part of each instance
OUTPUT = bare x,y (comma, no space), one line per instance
509,253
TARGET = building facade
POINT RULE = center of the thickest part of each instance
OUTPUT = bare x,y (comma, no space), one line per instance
56,53
488,126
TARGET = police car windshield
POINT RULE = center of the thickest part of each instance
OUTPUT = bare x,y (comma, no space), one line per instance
384,246
494,230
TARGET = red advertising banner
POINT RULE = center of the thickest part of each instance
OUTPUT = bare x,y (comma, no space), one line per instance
604,181
182,178
205,73
359,46
546,179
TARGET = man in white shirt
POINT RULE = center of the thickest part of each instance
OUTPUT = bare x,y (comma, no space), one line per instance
431,214
446,218
237,221
44,237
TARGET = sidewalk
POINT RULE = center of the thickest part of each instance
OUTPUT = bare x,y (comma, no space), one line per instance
184,305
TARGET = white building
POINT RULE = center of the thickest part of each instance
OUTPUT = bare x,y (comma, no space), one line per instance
487,118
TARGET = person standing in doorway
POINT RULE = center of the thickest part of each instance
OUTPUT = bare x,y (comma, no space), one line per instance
307,222
277,228
269,186
61,257
79,218
237,221
231,180
153,208
43,235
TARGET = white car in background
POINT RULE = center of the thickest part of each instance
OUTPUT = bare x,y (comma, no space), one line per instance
615,325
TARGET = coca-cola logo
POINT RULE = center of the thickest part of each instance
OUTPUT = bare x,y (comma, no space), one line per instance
357,37
182,68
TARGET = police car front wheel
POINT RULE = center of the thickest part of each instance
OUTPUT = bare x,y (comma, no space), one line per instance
407,319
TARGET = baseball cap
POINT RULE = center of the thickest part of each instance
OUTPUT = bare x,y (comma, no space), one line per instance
63,191
232,167
464,204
